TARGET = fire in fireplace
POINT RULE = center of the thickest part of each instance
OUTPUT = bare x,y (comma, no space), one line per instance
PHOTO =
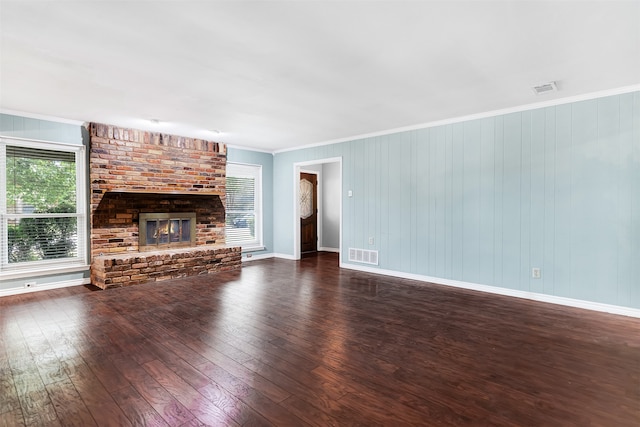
166,230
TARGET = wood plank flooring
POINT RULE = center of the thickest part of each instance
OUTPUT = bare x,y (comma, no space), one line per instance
304,343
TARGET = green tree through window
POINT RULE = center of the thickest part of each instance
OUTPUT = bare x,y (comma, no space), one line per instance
41,189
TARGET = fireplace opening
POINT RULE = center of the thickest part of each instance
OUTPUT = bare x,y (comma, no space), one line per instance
161,230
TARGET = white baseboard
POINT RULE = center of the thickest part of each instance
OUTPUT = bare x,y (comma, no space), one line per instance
45,287
588,305
337,250
285,256
254,257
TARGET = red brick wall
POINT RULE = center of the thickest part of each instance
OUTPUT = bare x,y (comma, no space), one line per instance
135,160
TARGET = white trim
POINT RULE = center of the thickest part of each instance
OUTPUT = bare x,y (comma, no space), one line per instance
570,302
325,249
45,287
254,171
41,117
286,256
26,273
296,208
243,164
245,258
493,113
239,147
41,143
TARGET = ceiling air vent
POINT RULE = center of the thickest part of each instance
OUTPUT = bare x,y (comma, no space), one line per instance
545,88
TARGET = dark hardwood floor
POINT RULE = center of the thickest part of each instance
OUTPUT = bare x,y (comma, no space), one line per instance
304,343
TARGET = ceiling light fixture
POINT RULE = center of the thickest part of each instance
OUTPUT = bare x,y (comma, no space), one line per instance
545,88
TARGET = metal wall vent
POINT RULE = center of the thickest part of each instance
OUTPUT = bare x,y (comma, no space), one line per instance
364,256
545,88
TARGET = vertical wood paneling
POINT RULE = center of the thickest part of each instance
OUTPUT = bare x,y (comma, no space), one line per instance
417,205
470,196
377,147
395,202
625,194
537,208
537,205
439,184
6,123
562,234
605,148
525,201
385,253
592,200
498,271
457,202
424,196
548,254
373,191
634,164
511,202
399,193
485,201
43,130
283,202
367,166
449,224
429,194
358,185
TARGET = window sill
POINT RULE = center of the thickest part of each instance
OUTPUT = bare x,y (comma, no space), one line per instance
43,271
252,248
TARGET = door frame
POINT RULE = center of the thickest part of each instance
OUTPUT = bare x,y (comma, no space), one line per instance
297,168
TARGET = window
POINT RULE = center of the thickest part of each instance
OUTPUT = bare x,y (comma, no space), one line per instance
42,211
243,225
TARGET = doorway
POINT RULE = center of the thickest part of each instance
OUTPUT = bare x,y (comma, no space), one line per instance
324,202
308,201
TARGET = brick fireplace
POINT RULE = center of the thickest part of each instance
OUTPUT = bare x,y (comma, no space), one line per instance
135,172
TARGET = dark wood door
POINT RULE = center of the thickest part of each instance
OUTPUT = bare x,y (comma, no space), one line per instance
308,213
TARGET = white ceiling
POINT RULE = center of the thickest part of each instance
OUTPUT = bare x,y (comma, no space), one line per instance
279,74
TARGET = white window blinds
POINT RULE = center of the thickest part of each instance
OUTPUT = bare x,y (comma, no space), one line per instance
243,226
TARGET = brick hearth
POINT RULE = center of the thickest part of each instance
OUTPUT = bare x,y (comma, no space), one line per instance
131,269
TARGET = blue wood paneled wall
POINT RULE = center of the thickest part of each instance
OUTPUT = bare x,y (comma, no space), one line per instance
43,130
485,201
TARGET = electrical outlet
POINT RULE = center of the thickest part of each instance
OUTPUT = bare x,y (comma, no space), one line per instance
371,240
29,284
536,273
249,255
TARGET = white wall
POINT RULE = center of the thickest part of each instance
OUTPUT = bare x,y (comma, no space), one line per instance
331,206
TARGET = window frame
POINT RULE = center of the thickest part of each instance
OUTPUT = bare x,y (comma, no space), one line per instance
51,266
247,170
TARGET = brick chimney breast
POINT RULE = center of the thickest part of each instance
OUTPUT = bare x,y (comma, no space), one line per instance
133,171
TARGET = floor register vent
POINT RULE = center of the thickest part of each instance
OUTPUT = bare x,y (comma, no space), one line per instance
364,256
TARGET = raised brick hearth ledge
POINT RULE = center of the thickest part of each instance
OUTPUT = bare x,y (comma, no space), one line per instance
132,268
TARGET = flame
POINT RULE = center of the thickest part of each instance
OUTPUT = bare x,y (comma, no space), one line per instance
168,228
